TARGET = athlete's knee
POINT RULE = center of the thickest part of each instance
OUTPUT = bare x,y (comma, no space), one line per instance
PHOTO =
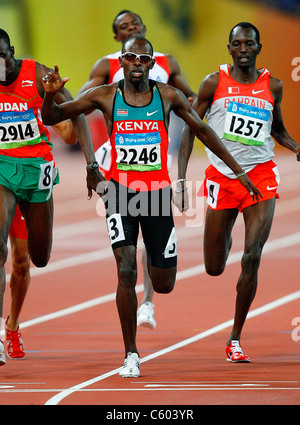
165,284
251,260
215,260
39,253
166,288
40,261
3,252
21,266
214,269
127,274
215,264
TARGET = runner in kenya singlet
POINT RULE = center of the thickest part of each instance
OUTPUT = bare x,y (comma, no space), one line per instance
241,115
22,133
139,142
159,72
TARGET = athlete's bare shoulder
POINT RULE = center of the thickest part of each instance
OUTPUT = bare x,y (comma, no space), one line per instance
211,81
208,88
276,88
105,90
100,69
41,70
163,86
166,90
275,82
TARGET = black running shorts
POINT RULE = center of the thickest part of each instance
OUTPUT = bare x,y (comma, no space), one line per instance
127,209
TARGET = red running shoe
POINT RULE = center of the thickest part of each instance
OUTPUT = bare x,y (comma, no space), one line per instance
235,353
15,345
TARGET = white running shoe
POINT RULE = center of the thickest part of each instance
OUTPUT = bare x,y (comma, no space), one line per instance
145,315
131,368
2,354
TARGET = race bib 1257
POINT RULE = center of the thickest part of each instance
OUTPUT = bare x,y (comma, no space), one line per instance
246,124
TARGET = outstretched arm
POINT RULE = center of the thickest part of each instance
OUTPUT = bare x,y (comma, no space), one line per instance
181,199
201,104
279,132
66,131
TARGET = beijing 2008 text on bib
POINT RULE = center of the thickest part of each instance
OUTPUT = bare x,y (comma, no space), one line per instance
139,141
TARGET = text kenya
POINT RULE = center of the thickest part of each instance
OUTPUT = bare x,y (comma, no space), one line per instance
137,125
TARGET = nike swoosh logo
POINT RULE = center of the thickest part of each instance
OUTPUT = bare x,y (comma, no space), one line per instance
257,91
271,188
151,113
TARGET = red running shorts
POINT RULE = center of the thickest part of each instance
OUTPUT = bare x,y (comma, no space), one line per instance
224,193
18,227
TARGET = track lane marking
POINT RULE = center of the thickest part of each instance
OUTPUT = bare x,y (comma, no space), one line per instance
212,388
270,246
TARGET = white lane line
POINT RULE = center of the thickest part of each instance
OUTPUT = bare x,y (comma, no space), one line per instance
146,385
263,309
79,228
274,245
214,382
212,388
204,385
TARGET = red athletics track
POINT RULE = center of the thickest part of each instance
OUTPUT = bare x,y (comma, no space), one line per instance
72,334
